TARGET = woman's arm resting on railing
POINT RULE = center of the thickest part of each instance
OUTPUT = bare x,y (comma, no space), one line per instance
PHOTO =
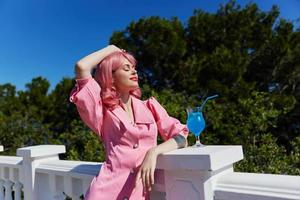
176,142
181,141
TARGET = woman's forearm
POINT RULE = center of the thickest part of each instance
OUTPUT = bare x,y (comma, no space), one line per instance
171,144
84,66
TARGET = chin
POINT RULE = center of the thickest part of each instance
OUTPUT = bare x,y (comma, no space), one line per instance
134,86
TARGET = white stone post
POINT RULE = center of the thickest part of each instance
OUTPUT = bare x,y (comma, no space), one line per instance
32,157
191,173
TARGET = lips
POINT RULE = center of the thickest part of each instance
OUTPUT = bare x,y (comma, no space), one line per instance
134,79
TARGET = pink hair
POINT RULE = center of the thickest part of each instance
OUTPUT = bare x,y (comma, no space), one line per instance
109,94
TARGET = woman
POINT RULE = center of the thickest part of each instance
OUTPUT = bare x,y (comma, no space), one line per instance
110,105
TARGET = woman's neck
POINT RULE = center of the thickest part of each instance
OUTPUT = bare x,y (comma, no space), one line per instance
125,97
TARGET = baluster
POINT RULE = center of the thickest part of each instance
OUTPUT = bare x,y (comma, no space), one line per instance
16,175
85,185
68,186
5,173
11,174
2,188
11,177
77,189
52,184
8,192
60,196
59,187
1,172
18,190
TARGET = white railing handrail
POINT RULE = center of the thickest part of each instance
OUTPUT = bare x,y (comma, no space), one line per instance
256,185
208,158
11,161
41,151
78,169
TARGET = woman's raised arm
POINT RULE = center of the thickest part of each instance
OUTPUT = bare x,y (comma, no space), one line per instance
84,66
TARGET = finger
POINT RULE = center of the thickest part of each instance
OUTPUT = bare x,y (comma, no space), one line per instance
148,180
144,191
144,180
138,176
152,176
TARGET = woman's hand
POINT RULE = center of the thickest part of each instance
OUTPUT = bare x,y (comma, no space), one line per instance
147,168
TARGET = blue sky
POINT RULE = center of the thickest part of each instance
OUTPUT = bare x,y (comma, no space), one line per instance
46,37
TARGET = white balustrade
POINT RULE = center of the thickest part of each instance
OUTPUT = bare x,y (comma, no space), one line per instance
10,179
33,156
204,173
69,177
239,186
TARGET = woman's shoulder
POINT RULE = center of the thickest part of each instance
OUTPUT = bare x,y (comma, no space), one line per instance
150,99
148,102
152,103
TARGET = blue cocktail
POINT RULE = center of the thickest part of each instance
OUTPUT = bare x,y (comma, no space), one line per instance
196,123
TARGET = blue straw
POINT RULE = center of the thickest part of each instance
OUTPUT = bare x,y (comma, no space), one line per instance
208,98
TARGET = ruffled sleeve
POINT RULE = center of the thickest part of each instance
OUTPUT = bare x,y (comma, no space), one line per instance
168,126
86,96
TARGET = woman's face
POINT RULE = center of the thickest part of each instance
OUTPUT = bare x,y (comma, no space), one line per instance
125,78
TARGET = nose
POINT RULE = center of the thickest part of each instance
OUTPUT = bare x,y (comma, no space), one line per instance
134,71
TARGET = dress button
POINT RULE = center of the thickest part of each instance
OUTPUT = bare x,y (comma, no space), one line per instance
135,145
132,171
125,198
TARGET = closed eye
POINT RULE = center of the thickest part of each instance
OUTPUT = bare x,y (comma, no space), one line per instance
127,67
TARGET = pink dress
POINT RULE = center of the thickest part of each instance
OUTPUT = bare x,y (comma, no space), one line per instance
125,143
